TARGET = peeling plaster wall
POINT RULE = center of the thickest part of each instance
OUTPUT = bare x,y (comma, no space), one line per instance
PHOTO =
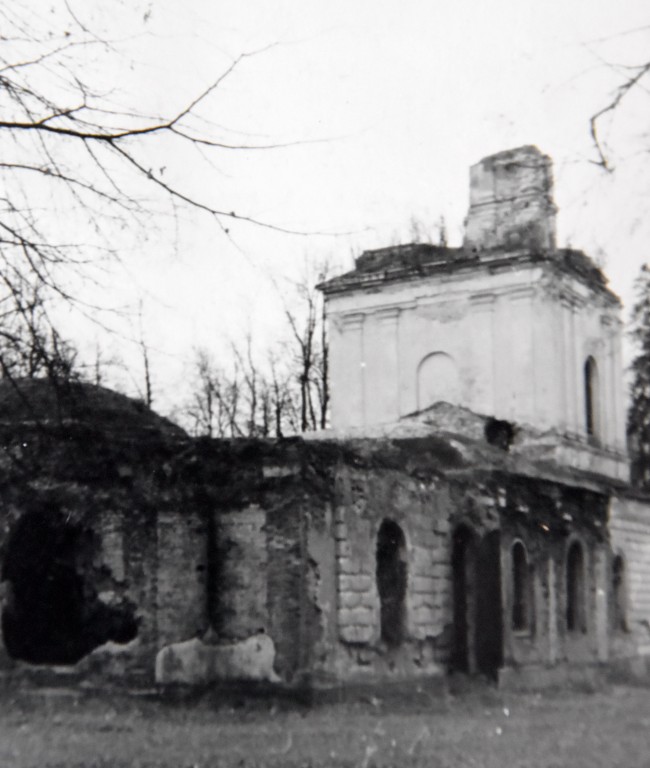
492,327
224,542
629,523
107,485
547,518
181,576
297,556
116,569
364,500
240,572
503,326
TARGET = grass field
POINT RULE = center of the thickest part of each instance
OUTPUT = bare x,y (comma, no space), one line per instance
481,728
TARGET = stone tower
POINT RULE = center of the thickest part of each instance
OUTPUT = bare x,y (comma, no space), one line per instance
511,202
508,325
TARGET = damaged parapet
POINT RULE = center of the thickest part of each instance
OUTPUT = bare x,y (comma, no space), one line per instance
511,202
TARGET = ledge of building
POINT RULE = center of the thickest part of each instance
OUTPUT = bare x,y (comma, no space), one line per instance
549,454
414,261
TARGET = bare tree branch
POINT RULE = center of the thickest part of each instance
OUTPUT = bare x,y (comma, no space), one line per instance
621,92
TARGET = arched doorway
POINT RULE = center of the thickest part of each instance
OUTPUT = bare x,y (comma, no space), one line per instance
52,614
576,609
463,564
619,601
391,582
522,603
477,604
489,605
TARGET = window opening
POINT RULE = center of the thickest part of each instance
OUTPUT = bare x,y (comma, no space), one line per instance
575,575
618,589
521,592
391,582
591,397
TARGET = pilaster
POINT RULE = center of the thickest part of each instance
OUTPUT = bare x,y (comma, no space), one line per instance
484,363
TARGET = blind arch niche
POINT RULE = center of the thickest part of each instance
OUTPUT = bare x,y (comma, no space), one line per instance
437,379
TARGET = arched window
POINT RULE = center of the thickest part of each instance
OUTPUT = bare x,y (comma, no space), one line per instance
463,564
619,613
438,380
576,617
391,582
521,589
592,398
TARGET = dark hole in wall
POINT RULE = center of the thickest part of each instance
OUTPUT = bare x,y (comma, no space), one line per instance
478,625
489,624
391,581
520,588
52,614
463,562
576,618
591,397
499,433
619,612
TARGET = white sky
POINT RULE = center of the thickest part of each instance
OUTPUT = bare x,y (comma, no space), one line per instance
401,98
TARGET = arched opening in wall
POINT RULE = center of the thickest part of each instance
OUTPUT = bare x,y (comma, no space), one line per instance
521,589
592,398
391,582
488,638
576,614
437,379
52,614
463,565
619,596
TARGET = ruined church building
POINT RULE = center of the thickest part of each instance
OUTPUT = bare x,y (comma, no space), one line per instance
469,510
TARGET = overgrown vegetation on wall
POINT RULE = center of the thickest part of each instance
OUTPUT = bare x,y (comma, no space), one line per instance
638,424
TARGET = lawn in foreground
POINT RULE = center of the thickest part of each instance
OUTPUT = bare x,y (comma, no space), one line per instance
484,729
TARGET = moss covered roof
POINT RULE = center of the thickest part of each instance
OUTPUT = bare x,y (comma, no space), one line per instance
52,404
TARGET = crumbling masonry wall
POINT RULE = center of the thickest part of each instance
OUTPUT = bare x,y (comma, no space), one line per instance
292,560
364,500
100,487
548,518
204,561
629,523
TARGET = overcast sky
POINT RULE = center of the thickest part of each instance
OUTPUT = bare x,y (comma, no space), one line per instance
390,103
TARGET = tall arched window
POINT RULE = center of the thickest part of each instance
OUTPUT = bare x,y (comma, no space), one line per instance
576,615
619,613
592,398
521,589
391,582
463,565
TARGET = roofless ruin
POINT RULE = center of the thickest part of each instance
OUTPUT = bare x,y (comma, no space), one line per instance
468,511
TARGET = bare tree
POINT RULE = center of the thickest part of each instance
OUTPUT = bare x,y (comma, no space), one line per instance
274,392
29,346
252,386
214,406
203,407
311,352
146,363
638,417
633,78
76,167
279,396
